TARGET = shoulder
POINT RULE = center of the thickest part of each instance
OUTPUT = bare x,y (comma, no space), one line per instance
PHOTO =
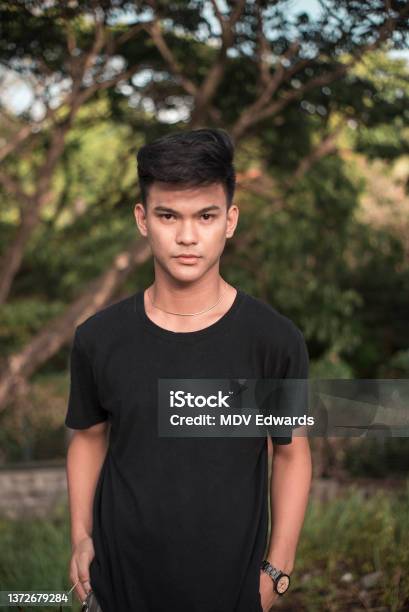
105,322
280,338
269,323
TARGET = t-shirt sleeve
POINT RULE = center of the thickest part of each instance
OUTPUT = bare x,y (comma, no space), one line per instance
84,408
293,397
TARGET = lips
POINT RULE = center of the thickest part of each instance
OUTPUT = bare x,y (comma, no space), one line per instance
187,258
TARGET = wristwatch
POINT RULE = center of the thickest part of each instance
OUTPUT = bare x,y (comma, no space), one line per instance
280,579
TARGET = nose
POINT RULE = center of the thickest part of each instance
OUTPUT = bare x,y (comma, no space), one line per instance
186,233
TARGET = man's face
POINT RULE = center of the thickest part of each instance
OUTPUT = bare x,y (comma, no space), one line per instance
190,221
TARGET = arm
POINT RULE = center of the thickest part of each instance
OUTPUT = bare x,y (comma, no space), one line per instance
291,472
85,456
291,476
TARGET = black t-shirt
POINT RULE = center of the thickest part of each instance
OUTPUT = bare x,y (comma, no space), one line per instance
178,523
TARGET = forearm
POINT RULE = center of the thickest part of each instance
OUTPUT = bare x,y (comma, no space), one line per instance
290,484
85,456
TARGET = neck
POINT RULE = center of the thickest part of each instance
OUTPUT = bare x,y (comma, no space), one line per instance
186,299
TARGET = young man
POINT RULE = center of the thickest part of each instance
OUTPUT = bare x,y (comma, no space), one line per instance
180,523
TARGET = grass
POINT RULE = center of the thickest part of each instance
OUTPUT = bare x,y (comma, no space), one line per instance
348,535
35,555
357,536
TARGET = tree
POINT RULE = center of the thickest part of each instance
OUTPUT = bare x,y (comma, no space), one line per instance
259,68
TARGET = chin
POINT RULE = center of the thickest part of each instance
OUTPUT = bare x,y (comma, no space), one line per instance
187,277
185,273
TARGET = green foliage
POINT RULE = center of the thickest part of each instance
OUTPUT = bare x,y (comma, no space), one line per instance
358,535
22,318
397,366
330,365
349,534
378,458
91,218
383,285
300,246
36,554
384,131
34,429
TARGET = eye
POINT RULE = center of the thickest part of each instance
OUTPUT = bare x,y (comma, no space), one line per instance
167,215
208,215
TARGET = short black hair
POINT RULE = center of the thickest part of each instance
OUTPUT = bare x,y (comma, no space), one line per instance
190,158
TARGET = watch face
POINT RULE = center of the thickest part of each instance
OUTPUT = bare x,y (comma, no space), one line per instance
283,584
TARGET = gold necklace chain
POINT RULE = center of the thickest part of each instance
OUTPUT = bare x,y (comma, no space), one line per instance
184,314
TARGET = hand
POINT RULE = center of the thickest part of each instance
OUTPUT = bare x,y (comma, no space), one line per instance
82,555
267,593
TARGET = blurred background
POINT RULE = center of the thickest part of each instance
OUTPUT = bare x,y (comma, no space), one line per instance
315,97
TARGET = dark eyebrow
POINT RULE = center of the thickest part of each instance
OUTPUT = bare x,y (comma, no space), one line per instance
160,208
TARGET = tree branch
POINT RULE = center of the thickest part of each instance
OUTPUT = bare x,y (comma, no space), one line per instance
59,332
257,112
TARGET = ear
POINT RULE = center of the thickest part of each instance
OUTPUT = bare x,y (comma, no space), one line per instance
232,220
140,218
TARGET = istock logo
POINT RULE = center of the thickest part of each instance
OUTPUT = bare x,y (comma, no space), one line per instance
179,399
